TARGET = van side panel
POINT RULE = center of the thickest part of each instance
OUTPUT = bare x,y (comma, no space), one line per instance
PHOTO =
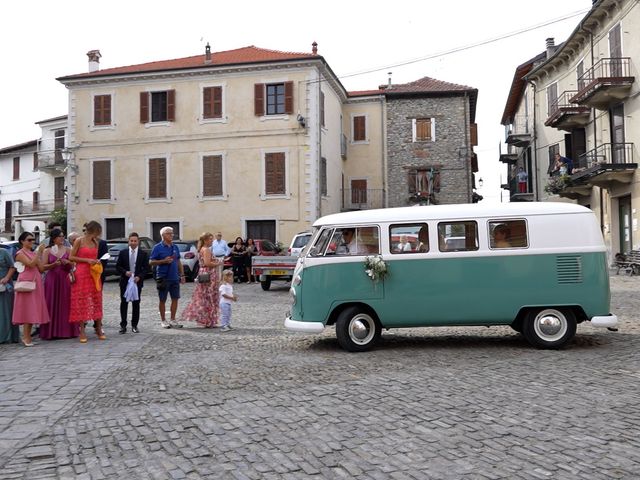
478,290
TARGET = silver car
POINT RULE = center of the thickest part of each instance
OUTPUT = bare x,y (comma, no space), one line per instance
188,258
298,243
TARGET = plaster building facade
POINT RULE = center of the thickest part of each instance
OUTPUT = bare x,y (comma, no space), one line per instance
253,142
583,104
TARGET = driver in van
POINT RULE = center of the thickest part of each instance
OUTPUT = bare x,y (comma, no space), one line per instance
501,234
348,246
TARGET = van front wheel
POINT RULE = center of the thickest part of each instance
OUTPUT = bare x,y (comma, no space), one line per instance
549,327
356,330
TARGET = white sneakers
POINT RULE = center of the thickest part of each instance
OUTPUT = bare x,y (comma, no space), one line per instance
165,324
170,324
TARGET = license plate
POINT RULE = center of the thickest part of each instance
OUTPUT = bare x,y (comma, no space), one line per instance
278,272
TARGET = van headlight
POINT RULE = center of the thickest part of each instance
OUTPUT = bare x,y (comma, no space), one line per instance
297,279
292,291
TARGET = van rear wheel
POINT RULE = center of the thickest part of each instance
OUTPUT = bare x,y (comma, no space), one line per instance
357,330
549,327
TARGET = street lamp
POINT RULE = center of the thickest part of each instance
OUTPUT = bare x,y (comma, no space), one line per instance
480,182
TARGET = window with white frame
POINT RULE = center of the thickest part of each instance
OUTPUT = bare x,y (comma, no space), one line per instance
424,129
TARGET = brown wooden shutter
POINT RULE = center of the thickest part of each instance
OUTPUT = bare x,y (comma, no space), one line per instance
359,129
97,110
412,180
106,109
217,102
288,97
207,109
258,99
36,201
35,161
157,178
102,180
171,105
212,176
102,110
144,107
322,108
474,134
275,174
16,168
423,129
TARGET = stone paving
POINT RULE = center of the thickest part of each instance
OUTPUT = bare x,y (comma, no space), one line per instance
261,403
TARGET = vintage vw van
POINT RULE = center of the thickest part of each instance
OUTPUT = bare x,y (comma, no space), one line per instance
539,267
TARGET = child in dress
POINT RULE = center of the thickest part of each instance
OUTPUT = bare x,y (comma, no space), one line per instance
226,297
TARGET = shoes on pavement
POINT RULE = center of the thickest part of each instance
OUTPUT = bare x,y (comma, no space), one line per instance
135,330
226,328
612,329
122,330
27,344
175,324
165,324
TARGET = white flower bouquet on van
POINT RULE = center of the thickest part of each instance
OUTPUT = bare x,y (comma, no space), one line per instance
375,267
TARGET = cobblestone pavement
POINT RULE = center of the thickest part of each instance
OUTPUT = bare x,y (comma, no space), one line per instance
261,403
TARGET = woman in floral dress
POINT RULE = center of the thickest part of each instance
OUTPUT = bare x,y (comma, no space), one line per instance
57,289
86,299
29,307
203,307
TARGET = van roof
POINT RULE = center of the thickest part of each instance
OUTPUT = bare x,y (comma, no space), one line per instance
449,212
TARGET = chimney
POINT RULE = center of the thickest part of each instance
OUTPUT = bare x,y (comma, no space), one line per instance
551,47
207,53
388,85
314,48
94,60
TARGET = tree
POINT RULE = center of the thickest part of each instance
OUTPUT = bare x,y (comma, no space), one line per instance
59,215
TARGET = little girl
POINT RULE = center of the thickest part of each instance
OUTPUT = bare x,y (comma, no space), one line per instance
226,297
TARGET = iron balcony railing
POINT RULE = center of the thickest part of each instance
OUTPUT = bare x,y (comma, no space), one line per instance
605,68
26,208
563,102
51,159
606,153
519,126
343,146
362,199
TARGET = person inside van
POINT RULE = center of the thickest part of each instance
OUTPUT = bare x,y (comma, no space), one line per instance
404,245
501,235
423,239
348,245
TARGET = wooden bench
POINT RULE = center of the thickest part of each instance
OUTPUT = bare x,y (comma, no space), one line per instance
630,262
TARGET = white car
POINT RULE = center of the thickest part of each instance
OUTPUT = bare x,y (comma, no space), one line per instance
298,243
188,258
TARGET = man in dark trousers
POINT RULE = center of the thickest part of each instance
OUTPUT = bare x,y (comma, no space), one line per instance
132,262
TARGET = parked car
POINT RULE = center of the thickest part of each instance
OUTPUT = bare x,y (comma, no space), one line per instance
265,247
116,245
188,258
12,246
298,243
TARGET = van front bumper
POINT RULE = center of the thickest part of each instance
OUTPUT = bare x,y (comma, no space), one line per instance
304,327
607,321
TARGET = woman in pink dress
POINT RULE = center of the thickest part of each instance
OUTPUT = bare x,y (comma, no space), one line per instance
57,289
86,298
204,305
29,307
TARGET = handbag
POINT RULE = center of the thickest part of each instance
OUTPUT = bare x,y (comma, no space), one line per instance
204,277
24,286
161,283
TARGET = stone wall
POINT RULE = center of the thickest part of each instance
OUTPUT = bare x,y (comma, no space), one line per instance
448,153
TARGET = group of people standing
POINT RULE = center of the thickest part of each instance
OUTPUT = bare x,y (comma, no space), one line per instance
241,254
69,296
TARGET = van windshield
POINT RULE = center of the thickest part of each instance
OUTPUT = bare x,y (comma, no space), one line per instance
347,241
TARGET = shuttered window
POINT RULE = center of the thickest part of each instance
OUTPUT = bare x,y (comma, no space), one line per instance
423,130
16,168
212,176
275,171
102,110
322,108
157,178
158,106
35,161
323,176
101,177
273,99
212,102
36,201
359,128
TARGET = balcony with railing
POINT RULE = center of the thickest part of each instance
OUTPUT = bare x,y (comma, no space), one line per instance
515,195
510,157
362,199
35,208
566,115
53,160
518,133
605,84
6,225
343,146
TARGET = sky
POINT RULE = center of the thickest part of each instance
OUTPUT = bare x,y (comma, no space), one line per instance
42,40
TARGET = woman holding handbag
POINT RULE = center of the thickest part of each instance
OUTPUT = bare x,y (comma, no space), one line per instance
29,305
203,307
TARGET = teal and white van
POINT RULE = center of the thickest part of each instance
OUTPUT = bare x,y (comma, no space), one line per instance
539,267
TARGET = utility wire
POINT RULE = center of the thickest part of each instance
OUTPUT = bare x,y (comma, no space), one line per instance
470,46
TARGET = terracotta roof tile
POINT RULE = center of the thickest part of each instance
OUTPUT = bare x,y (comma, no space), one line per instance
250,54
365,93
426,85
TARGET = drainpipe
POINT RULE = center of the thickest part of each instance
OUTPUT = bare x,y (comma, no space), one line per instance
535,142
467,148
383,136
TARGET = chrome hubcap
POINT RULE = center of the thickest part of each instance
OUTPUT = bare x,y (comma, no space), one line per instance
550,325
362,328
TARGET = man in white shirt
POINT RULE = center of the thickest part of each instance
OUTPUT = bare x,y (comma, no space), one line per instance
132,262
219,247
349,246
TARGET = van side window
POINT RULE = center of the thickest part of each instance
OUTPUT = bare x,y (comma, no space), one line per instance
319,247
508,234
409,238
457,236
354,241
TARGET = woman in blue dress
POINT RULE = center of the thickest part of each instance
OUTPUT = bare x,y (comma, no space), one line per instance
9,333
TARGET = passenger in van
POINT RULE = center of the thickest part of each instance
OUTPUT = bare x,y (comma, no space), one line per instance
423,239
348,246
501,235
404,245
